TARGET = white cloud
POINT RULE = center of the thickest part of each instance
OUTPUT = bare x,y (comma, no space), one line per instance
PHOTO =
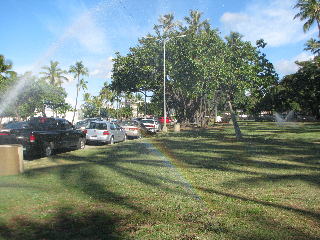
273,21
88,33
71,81
285,67
102,69
70,101
231,19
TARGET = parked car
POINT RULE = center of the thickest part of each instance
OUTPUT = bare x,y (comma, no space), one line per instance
81,125
5,137
8,123
43,135
151,125
169,120
134,129
264,118
88,120
104,132
138,119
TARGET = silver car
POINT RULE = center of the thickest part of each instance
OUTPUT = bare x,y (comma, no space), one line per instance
104,132
152,125
134,129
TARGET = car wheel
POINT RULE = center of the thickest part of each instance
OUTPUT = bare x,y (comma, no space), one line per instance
81,143
111,140
47,149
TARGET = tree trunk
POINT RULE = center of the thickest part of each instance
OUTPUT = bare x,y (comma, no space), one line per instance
16,111
234,120
216,108
44,111
75,108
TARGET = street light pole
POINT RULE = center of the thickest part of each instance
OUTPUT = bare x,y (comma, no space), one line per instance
164,129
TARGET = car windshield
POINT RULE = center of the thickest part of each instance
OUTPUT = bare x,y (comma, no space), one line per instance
147,121
96,125
129,123
81,123
16,125
42,123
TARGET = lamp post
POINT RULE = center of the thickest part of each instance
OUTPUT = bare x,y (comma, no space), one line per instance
164,129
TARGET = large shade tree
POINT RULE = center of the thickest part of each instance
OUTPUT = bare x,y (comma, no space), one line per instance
301,90
239,70
37,95
196,66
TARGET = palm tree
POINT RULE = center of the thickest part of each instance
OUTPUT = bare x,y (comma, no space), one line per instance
196,26
167,22
138,99
234,38
108,95
129,97
78,70
5,65
313,45
54,74
310,11
96,101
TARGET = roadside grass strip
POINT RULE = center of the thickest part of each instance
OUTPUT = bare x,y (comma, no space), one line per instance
265,187
194,184
124,191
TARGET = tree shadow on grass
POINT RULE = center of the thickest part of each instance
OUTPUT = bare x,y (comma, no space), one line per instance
270,228
85,174
81,176
257,162
65,223
218,149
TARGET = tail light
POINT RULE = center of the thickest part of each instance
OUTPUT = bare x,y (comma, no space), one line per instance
32,138
85,131
105,133
131,129
4,133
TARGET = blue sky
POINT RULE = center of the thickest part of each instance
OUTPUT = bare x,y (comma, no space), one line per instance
34,32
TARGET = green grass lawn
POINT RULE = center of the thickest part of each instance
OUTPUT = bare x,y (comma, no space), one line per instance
195,184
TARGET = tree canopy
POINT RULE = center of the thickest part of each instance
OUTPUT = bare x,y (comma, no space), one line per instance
196,65
37,94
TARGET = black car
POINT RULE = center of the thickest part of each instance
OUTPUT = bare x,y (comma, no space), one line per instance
42,135
5,132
